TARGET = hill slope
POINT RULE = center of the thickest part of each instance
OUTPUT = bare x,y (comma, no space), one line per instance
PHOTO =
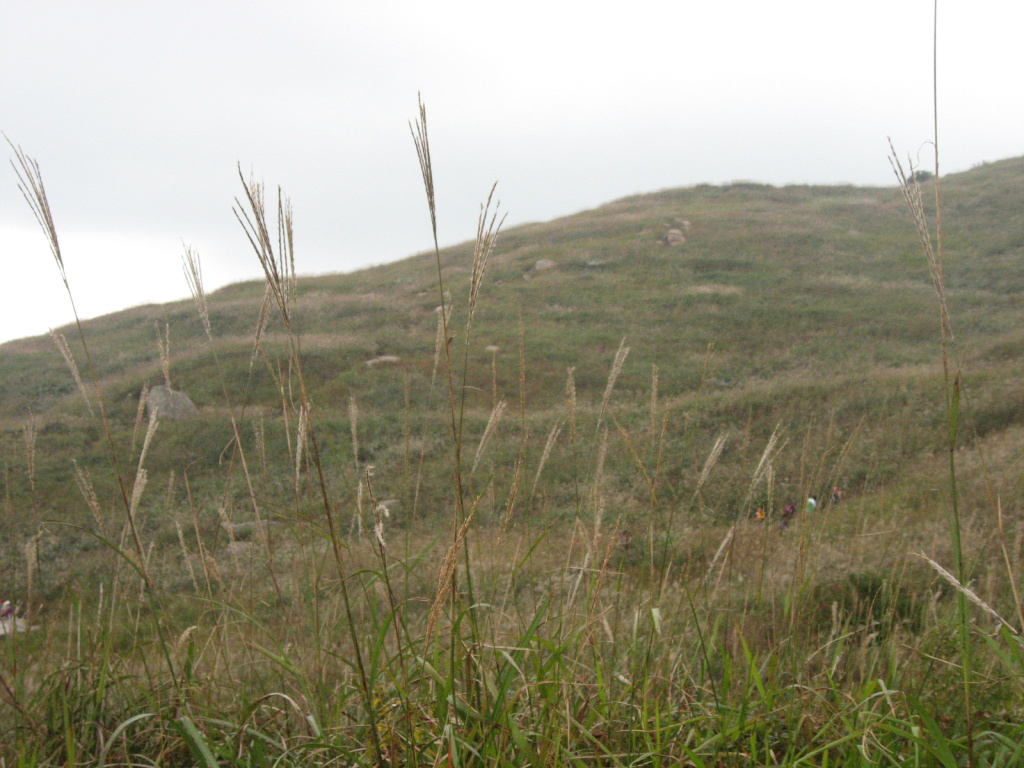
580,528
807,310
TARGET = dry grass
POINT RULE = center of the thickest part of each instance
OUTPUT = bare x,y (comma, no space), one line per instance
625,611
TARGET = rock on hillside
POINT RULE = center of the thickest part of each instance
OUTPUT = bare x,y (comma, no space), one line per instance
167,403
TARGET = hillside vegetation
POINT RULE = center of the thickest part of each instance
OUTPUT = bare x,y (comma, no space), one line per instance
536,542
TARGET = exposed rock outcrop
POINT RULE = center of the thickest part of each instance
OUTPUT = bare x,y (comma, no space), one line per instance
168,403
675,238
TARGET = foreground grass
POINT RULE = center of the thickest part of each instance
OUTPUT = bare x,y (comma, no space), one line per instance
558,648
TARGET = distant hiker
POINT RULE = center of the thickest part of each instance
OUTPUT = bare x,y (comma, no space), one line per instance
787,514
837,494
624,540
812,504
6,610
759,515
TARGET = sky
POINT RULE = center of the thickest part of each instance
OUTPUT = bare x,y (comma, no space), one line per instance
141,115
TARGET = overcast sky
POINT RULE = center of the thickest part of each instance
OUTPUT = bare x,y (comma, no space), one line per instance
139,114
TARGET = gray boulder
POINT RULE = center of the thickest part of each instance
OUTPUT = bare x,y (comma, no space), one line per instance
168,403
674,237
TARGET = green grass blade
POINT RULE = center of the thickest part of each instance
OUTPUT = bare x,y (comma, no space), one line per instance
196,743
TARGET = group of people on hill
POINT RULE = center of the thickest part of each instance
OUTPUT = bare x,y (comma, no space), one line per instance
790,510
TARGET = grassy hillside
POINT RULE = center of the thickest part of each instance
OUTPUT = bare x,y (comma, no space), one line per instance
806,307
620,408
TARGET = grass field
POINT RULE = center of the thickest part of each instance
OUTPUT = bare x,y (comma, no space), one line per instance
521,529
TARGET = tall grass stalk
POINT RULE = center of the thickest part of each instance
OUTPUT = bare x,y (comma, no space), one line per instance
30,183
910,185
279,271
488,226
